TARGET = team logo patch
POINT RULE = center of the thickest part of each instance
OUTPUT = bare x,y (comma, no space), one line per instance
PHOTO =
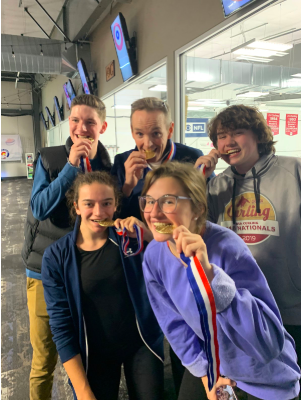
251,226
4,154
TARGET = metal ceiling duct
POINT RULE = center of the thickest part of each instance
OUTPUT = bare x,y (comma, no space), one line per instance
207,74
24,54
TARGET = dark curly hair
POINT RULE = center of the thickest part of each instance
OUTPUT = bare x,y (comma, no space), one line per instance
101,177
244,117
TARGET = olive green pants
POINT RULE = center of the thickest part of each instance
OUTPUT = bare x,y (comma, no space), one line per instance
44,355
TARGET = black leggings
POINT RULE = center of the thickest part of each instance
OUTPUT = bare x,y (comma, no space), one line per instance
192,389
143,373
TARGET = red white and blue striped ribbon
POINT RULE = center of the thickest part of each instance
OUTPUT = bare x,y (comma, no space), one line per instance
126,241
202,168
171,154
85,165
206,305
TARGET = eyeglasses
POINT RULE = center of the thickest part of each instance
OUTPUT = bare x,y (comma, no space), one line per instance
167,203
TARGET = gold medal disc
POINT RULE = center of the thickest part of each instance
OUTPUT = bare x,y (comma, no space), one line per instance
163,228
105,222
149,154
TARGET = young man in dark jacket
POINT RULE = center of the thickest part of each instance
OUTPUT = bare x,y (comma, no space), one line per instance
48,220
152,129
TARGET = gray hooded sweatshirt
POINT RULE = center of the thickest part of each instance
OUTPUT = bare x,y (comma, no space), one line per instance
264,208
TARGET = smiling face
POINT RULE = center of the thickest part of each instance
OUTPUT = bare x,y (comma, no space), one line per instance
241,145
150,132
95,202
84,122
183,214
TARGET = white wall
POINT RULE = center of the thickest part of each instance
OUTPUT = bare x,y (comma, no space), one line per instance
22,126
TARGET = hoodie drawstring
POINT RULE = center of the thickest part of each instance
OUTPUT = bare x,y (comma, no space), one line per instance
256,190
233,206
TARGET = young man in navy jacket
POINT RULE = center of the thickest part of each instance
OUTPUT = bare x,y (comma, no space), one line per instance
152,129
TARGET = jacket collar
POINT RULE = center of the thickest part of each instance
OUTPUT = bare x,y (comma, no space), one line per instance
112,233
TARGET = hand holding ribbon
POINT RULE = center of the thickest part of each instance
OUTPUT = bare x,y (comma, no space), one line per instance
193,253
132,227
207,164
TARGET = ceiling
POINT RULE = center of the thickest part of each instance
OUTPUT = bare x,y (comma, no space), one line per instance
15,21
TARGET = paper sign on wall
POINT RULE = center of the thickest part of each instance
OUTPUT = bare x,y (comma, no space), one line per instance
196,127
11,148
273,121
291,124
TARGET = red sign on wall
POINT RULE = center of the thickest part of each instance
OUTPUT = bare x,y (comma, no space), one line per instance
291,124
273,120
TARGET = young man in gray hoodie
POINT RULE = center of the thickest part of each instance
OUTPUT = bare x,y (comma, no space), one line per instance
259,197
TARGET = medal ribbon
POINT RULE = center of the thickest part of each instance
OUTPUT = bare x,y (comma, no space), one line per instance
202,168
206,305
85,165
126,240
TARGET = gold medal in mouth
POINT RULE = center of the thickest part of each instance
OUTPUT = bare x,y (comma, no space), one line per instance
149,154
163,228
105,222
87,137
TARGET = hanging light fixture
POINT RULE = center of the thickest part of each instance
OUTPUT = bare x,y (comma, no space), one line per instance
41,52
12,52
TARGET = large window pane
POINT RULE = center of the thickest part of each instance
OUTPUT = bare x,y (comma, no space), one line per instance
255,63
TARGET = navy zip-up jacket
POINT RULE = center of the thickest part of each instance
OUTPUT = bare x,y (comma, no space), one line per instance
61,281
130,205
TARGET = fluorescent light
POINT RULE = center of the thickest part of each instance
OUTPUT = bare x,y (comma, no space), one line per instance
259,53
262,110
295,82
158,88
251,94
121,107
199,77
297,75
195,108
265,45
258,59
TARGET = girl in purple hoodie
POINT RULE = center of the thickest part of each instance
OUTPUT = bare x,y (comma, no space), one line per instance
255,351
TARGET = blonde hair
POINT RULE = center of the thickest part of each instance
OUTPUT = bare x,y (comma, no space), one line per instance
91,101
101,177
151,104
192,182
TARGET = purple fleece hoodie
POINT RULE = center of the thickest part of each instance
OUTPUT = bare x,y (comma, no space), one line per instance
254,348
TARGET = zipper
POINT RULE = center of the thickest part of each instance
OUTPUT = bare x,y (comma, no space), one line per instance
86,340
145,341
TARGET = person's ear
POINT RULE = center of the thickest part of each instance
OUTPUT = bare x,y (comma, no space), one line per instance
170,130
76,208
104,127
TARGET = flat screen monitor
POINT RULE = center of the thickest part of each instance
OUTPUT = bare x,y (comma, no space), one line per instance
67,95
231,6
43,120
51,118
125,53
59,109
70,90
84,76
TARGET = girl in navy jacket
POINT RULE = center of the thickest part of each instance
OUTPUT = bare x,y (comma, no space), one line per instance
100,315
